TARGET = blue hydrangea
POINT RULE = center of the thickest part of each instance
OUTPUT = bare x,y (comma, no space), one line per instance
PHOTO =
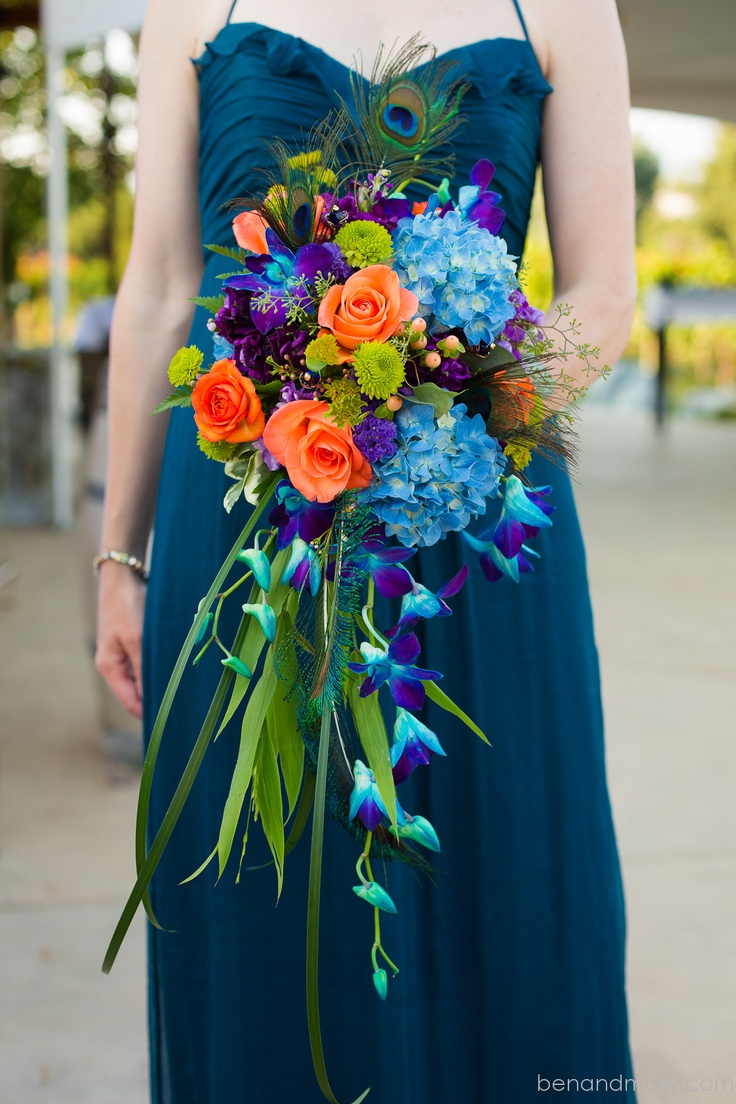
460,272
440,477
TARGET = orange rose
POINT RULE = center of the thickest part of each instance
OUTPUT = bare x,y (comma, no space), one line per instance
370,306
319,456
249,229
226,407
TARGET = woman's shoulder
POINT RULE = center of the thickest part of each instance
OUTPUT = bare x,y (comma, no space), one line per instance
553,28
188,23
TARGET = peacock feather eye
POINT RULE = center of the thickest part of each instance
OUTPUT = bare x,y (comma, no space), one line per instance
404,112
302,213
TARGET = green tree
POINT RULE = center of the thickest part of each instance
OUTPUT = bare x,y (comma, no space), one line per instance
717,193
646,175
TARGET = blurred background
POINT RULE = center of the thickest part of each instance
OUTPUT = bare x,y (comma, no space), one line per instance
657,496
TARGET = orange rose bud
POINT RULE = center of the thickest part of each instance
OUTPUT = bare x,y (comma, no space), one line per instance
249,229
369,306
320,457
226,406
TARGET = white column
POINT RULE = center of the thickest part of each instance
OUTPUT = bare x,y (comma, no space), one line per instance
63,397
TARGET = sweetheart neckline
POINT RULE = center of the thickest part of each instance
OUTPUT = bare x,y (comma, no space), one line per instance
343,65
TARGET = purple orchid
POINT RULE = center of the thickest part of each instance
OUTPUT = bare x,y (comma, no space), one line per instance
476,203
295,516
526,319
413,745
501,544
303,568
383,564
421,602
395,665
366,802
281,276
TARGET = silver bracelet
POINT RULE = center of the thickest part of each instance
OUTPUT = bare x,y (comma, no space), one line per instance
120,558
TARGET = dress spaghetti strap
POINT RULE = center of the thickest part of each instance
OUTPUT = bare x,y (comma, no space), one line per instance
232,9
518,12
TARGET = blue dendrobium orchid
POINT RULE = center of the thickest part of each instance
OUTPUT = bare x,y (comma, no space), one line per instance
280,276
383,564
366,802
476,203
419,830
413,745
295,516
525,511
395,665
303,567
421,602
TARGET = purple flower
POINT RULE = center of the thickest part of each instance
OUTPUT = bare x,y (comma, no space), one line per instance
395,665
524,513
366,802
384,211
295,516
413,745
376,438
303,568
383,564
517,329
477,203
251,348
420,602
280,276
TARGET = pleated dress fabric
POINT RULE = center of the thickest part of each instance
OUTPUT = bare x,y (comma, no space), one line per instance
512,956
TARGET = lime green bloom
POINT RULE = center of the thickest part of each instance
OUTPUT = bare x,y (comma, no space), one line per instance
378,368
216,450
185,366
518,455
364,243
323,349
346,404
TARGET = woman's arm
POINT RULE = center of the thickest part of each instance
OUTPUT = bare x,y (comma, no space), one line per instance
588,175
152,319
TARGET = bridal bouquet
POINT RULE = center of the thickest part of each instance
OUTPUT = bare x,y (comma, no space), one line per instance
376,376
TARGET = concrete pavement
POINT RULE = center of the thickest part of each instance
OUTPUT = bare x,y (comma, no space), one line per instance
659,515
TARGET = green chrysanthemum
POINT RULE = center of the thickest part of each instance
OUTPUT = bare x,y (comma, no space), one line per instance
365,243
379,369
346,403
216,450
519,456
185,365
323,349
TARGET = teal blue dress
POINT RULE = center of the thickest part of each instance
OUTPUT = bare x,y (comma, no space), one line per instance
512,956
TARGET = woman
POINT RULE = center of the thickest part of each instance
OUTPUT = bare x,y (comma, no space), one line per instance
513,964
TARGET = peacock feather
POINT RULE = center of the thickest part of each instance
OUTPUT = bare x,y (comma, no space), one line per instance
294,181
517,401
404,114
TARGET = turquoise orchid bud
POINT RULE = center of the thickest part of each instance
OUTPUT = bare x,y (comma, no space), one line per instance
203,629
420,831
265,616
259,564
375,895
380,980
237,665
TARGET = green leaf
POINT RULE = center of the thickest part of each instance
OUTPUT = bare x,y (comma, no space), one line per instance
269,801
250,737
212,303
429,394
224,251
147,860
283,729
496,357
233,494
176,398
440,698
371,729
201,868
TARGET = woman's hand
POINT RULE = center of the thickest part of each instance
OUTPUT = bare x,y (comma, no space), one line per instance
122,596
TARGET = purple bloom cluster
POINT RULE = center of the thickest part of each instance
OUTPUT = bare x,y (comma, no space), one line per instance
452,373
526,317
386,212
251,348
376,438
